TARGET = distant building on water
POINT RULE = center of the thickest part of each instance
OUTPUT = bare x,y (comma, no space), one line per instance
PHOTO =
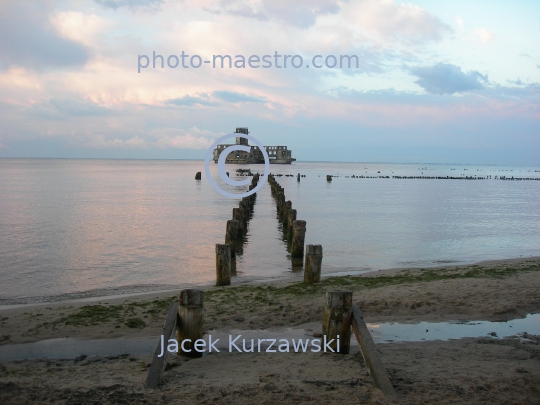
277,154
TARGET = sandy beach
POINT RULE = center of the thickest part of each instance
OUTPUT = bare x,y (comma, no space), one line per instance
470,370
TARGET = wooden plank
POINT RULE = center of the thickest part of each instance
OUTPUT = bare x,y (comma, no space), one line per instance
158,363
370,354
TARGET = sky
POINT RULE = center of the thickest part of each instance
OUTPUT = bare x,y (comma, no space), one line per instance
436,81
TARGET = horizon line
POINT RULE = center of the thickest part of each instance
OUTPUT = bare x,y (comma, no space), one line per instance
303,161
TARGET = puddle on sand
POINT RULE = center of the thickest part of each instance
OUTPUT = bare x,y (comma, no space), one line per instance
69,348
402,332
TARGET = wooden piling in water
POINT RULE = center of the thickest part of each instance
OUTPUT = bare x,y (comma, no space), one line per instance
298,178
285,212
291,218
280,198
190,321
298,237
238,215
246,206
198,176
223,264
313,262
253,196
337,320
231,235
328,177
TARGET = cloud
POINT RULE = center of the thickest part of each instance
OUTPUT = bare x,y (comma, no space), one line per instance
517,82
372,20
188,100
28,39
107,106
385,21
234,97
84,28
99,142
538,66
459,21
300,13
483,35
447,79
159,138
534,86
173,138
525,55
524,94
527,93
116,4
65,108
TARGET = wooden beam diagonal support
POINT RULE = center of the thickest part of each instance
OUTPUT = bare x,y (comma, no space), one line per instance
371,355
158,363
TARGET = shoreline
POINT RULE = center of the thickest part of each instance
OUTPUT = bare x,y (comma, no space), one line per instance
148,291
483,370
493,291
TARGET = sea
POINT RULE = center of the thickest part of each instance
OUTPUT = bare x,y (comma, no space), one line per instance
71,226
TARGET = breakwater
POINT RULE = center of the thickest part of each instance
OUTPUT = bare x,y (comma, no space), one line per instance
330,176
294,232
235,232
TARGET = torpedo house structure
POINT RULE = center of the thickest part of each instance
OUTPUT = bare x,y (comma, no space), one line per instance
277,154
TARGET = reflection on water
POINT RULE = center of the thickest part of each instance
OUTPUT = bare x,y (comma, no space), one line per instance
77,225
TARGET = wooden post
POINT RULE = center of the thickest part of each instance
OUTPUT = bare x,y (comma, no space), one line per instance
298,236
328,177
286,208
290,220
312,269
238,215
190,321
280,202
231,235
292,216
337,319
369,352
223,264
298,178
244,204
198,176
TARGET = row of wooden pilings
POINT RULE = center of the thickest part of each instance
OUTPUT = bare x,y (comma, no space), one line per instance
185,318
234,236
295,230
329,177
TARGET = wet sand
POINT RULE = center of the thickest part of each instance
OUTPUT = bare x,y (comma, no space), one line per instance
481,370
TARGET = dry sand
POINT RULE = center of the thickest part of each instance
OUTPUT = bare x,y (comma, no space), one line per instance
481,370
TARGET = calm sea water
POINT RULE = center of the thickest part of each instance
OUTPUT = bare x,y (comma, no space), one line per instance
78,225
